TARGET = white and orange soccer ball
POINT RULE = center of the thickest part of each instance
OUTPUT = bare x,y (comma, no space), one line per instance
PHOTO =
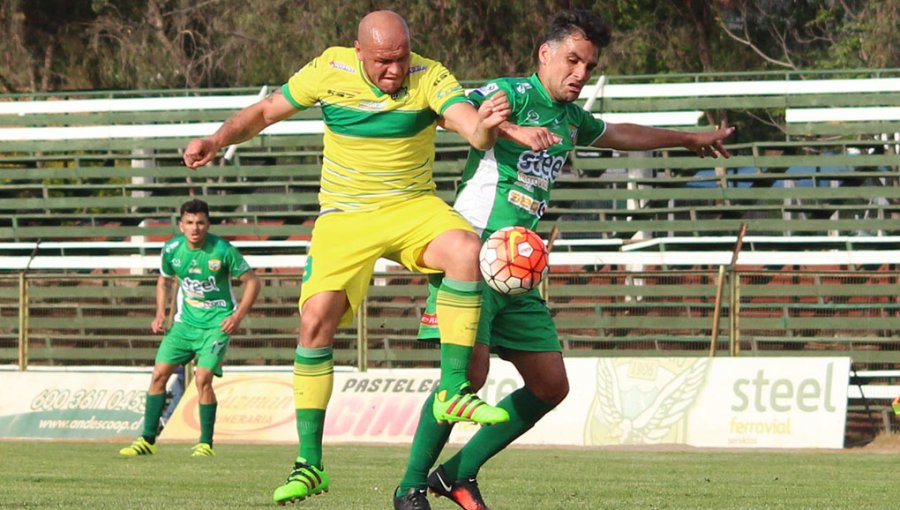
513,260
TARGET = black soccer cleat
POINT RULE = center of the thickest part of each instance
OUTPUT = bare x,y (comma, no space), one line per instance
413,499
464,493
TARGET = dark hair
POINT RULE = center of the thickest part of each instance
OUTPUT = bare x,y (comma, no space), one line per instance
582,21
195,206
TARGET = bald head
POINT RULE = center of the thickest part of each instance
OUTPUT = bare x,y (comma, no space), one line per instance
382,45
382,27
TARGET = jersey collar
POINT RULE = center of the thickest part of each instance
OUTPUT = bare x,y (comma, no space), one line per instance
536,83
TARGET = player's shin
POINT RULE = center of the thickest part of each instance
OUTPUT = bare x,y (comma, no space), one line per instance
313,383
525,409
458,306
207,422
427,444
152,411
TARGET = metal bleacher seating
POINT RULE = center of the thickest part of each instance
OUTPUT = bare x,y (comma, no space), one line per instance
101,176
112,165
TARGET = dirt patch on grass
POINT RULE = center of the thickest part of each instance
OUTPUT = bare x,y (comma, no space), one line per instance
884,443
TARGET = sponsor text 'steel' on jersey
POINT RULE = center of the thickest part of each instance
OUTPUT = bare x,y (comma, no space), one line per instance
510,184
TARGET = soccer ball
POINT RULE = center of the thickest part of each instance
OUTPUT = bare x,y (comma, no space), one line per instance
513,260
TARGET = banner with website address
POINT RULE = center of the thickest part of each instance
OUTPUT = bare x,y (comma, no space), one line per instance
70,405
719,402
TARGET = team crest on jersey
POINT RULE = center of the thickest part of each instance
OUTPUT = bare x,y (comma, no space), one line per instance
214,264
401,94
523,87
176,262
532,117
573,133
342,67
417,69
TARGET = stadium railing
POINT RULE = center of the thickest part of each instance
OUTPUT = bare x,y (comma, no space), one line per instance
599,311
88,182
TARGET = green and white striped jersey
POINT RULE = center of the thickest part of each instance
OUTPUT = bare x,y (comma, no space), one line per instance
510,184
205,296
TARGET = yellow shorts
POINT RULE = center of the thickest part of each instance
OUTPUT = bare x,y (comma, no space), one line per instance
345,245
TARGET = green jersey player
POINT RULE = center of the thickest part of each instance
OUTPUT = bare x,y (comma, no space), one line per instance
510,185
207,314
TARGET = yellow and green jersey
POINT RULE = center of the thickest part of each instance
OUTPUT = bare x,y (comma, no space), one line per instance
379,148
205,296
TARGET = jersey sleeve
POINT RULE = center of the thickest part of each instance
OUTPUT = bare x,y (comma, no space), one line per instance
590,128
235,262
445,88
477,96
165,265
301,90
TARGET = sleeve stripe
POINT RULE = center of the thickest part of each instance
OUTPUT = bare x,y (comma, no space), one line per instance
452,101
286,91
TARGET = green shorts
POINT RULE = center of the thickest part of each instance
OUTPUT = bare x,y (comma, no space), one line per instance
182,343
519,323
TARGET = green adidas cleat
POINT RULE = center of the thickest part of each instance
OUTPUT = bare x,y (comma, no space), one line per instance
140,446
202,450
466,406
304,481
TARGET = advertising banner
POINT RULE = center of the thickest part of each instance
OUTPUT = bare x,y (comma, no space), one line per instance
69,405
702,402
377,407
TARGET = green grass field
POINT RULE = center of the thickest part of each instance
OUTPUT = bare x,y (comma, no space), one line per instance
92,476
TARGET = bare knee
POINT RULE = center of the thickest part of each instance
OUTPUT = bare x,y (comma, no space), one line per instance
314,331
203,379
545,376
552,392
320,317
463,261
455,252
159,378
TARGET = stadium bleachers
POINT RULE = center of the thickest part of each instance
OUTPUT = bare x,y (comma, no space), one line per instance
107,169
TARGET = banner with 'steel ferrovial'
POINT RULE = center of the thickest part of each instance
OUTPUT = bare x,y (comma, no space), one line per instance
703,402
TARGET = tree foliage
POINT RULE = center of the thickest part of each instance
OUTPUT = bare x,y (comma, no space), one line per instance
48,45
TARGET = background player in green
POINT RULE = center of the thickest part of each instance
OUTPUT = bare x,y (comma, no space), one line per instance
206,316
510,185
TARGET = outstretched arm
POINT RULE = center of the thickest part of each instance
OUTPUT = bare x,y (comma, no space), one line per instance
478,127
240,127
632,137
